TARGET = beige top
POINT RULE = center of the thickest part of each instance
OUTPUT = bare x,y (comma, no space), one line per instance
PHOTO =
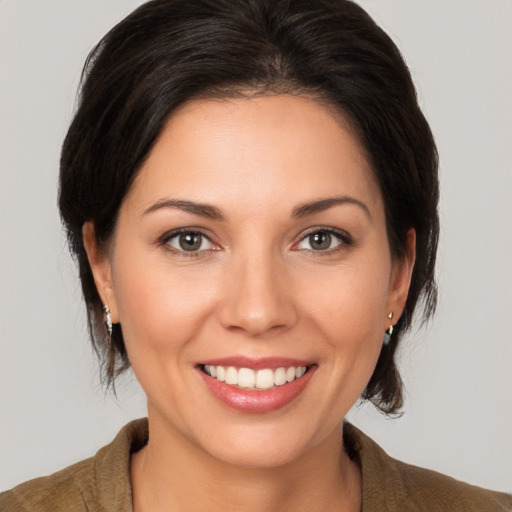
102,483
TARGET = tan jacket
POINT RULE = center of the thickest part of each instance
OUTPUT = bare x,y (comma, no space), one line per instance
102,483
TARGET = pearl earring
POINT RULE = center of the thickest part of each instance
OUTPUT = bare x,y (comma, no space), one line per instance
108,320
389,331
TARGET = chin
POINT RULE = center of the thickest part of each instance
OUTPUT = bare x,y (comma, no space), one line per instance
258,450
269,442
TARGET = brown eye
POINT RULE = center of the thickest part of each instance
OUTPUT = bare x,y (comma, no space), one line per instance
190,241
324,241
320,241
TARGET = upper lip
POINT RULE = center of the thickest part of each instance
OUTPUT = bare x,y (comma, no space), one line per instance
256,363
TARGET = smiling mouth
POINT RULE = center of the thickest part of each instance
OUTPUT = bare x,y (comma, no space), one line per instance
257,380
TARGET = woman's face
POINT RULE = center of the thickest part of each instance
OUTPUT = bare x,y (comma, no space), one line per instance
254,237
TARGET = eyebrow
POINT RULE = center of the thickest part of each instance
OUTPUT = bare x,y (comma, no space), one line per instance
204,210
321,205
214,213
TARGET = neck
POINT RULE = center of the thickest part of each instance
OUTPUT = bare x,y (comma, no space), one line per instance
171,473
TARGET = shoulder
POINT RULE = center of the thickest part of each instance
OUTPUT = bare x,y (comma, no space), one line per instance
389,484
435,491
101,483
63,490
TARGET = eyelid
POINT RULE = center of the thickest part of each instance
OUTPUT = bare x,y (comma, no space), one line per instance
343,236
164,239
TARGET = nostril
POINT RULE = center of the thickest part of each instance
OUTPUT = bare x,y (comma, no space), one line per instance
257,303
255,323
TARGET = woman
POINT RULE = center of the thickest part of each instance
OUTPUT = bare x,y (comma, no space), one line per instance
250,190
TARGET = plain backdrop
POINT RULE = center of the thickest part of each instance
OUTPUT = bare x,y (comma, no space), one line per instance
458,419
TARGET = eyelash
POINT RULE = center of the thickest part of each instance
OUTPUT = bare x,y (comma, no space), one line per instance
342,236
167,237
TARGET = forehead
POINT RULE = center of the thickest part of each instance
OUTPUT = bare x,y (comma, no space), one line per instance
261,150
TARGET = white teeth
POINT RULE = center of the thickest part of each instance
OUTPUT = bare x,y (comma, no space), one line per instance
290,374
251,379
220,373
301,370
280,377
246,378
231,376
264,379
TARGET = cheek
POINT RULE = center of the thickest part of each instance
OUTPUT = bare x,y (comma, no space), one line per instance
350,303
349,314
159,307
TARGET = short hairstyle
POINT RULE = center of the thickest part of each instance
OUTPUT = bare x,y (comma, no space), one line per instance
168,52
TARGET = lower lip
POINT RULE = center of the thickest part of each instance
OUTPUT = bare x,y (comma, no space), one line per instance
251,401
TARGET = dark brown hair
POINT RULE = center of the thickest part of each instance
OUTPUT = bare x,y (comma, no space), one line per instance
170,51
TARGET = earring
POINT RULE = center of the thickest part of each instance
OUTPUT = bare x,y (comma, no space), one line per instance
108,320
389,331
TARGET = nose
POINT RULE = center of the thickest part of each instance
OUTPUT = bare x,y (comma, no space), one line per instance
258,297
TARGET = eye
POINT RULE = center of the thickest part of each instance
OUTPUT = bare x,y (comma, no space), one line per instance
189,241
323,240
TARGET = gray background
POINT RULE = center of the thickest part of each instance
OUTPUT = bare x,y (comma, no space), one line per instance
459,403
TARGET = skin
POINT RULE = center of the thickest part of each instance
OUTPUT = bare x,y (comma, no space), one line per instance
256,288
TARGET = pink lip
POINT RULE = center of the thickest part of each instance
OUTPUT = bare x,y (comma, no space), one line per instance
251,401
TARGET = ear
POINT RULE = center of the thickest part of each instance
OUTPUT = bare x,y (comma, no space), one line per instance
101,269
401,278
